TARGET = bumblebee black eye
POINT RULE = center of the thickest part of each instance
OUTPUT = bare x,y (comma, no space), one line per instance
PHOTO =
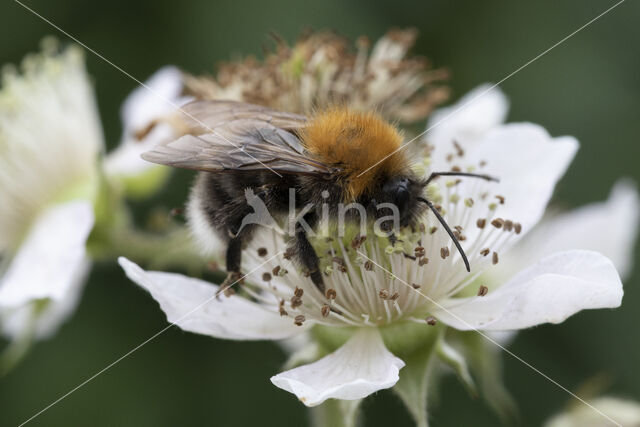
397,190
402,198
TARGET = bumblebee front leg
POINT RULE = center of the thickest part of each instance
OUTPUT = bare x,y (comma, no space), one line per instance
306,254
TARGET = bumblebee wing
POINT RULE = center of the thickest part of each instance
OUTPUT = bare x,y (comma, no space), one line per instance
242,137
202,116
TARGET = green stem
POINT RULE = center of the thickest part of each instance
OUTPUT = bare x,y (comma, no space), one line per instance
172,250
336,413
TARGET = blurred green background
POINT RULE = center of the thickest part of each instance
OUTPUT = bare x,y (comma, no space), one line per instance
588,87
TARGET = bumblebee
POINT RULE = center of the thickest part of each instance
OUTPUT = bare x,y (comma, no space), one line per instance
333,158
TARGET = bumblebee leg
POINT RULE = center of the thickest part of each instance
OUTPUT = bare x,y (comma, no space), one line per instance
306,254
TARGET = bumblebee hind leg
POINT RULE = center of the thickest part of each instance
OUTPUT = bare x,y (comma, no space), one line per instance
306,254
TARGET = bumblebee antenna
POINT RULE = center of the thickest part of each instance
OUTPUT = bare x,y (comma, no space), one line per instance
446,227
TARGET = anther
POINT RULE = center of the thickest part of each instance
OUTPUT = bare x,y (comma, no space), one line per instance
483,163
494,258
431,321
498,222
485,252
299,320
423,261
298,292
481,222
266,277
459,149
394,296
331,294
500,199
433,230
262,252
508,225
383,294
325,310
444,252
281,309
288,254
415,286
456,169
517,227
468,202
482,290
368,265
296,302
419,252
276,270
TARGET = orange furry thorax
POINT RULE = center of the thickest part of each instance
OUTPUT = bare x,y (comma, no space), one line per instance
353,142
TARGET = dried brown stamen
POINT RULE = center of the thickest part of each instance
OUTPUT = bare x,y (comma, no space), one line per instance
331,294
497,223
482,290
419,252
325,310
458,148
444,252
262,252
415,286
298,292
500,199
431,321
288,254
485,252
299,320
266,277
368,265
423,261
494,258
276,270
296,302
481,222
383,294
508,225
517,227
394,296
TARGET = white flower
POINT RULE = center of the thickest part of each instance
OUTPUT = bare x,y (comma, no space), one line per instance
145,118
373,286
50,139
624,412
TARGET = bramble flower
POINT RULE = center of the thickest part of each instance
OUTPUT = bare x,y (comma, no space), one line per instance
385,304
607,227
623,411
146,115
321,69
50,140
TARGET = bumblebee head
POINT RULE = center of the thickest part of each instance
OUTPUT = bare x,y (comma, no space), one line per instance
403,193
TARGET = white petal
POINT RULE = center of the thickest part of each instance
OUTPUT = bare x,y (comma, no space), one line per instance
528,163
145,104
470,118
550,291
47,263
609,227
191,304
161,96
360,367
43,321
